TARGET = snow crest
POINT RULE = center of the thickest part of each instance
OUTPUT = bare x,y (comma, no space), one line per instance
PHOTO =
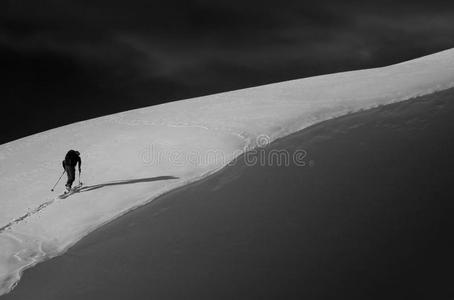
132,157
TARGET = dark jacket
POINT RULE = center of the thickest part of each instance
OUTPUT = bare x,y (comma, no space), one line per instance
72,158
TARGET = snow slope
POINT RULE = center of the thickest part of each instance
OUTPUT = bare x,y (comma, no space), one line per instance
132,157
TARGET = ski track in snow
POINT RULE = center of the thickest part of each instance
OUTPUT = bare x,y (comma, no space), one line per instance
243,135
29,214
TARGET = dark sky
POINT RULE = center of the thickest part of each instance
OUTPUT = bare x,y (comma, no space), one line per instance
66,60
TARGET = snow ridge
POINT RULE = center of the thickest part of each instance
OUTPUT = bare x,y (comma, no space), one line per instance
170,141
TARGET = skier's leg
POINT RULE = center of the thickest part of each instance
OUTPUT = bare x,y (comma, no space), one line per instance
70,171
73,176
68,181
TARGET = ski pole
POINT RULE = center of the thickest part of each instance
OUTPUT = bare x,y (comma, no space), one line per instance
58,181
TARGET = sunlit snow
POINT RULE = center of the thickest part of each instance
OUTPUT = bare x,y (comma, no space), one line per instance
124,155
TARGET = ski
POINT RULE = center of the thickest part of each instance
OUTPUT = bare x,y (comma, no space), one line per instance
74,189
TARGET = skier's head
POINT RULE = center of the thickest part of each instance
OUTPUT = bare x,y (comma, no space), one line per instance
77,152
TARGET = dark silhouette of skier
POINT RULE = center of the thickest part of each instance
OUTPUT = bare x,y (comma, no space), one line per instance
72,158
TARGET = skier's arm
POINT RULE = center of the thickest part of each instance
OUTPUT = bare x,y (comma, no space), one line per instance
63,164
80,163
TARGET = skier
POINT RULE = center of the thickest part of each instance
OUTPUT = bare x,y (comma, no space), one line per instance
72,158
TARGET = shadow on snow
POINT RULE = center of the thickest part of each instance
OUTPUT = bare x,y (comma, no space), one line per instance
121,182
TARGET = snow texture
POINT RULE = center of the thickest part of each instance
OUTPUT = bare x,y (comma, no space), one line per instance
131,157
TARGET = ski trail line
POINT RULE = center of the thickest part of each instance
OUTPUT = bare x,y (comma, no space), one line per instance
28,214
